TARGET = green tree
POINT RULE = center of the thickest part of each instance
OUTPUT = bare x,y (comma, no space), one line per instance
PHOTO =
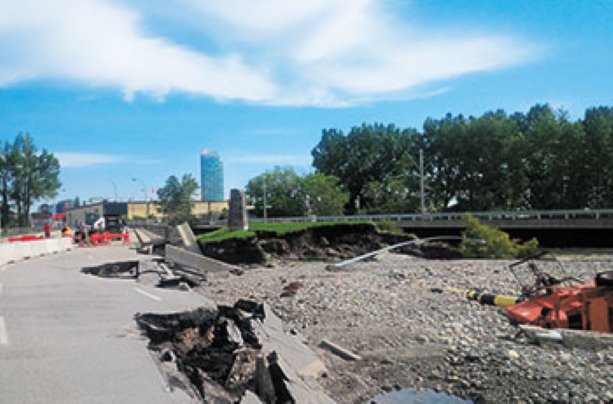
324,194
554,159
398,194
35,175
597,174
472,163
288,194
176,198
367,153
283,193
6,179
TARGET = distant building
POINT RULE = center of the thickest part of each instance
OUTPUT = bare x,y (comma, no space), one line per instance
211,176
63,206
134,210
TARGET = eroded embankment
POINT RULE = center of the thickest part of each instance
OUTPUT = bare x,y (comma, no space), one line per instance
323,243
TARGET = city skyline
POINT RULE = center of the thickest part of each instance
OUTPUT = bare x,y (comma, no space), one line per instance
258,84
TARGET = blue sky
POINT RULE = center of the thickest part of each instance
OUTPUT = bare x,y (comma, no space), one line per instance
135,89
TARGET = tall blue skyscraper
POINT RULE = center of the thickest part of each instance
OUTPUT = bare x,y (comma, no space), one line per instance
211,176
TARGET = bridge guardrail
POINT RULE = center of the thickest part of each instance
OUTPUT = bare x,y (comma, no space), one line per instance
594,214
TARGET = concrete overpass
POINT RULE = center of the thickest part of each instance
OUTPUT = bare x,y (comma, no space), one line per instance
549,219
553,228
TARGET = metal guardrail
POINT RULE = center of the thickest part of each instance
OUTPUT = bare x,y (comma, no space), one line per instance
515,216
595,214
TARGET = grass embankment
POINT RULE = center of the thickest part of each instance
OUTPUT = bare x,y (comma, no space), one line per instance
278,228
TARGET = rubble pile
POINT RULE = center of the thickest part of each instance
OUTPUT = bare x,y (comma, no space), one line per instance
409,336
217,352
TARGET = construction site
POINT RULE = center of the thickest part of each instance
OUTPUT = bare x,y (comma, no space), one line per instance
333,313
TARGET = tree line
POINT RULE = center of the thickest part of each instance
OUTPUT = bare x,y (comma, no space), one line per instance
26,175
537,160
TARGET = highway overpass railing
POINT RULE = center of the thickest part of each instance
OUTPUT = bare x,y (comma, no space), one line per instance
593,214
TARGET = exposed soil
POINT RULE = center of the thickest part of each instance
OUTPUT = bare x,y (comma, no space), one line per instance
325,243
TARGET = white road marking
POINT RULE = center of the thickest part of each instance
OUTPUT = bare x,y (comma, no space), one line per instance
149,295
4,338
0,288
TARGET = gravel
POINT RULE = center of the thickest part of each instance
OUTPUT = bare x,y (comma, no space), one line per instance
410,336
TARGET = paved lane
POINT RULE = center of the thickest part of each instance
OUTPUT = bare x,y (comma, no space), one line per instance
66,337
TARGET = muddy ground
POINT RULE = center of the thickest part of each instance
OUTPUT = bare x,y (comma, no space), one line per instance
410,336
325,243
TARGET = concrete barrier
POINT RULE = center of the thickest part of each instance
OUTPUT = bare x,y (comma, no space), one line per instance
196,261
189,240
11,252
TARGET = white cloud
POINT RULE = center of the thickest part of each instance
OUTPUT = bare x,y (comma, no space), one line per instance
100,43
86,159
72,159
275,159
310,52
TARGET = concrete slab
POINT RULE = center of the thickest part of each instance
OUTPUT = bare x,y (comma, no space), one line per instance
570,338
196,261
299,363
189,239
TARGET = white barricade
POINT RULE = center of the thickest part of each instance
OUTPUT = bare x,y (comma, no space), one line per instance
11,252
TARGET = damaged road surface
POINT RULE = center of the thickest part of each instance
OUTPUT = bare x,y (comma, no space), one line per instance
67,337
229,353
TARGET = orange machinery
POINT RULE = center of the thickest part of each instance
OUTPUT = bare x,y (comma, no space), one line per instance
552,303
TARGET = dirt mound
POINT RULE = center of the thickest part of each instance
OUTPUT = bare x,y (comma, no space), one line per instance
322,243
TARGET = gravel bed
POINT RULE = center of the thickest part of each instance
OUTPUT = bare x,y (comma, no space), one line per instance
410,336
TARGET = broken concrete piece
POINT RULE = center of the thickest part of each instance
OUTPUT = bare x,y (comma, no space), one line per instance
189,240
298,362
220,369
197,261
147,241
569,338
263,382
340,351
250,398
243,368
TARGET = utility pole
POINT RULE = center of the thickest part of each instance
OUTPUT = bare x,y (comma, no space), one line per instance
145,192
114,189
421,181
265,202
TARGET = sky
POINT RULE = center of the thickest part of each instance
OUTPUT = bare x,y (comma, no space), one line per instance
127,93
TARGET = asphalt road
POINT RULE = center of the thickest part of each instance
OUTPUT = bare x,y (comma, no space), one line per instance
67,337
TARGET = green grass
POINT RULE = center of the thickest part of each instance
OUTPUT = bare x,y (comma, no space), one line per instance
278,228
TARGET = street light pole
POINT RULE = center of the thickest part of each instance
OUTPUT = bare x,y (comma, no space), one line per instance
114,188
421,181
145,192
265,202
